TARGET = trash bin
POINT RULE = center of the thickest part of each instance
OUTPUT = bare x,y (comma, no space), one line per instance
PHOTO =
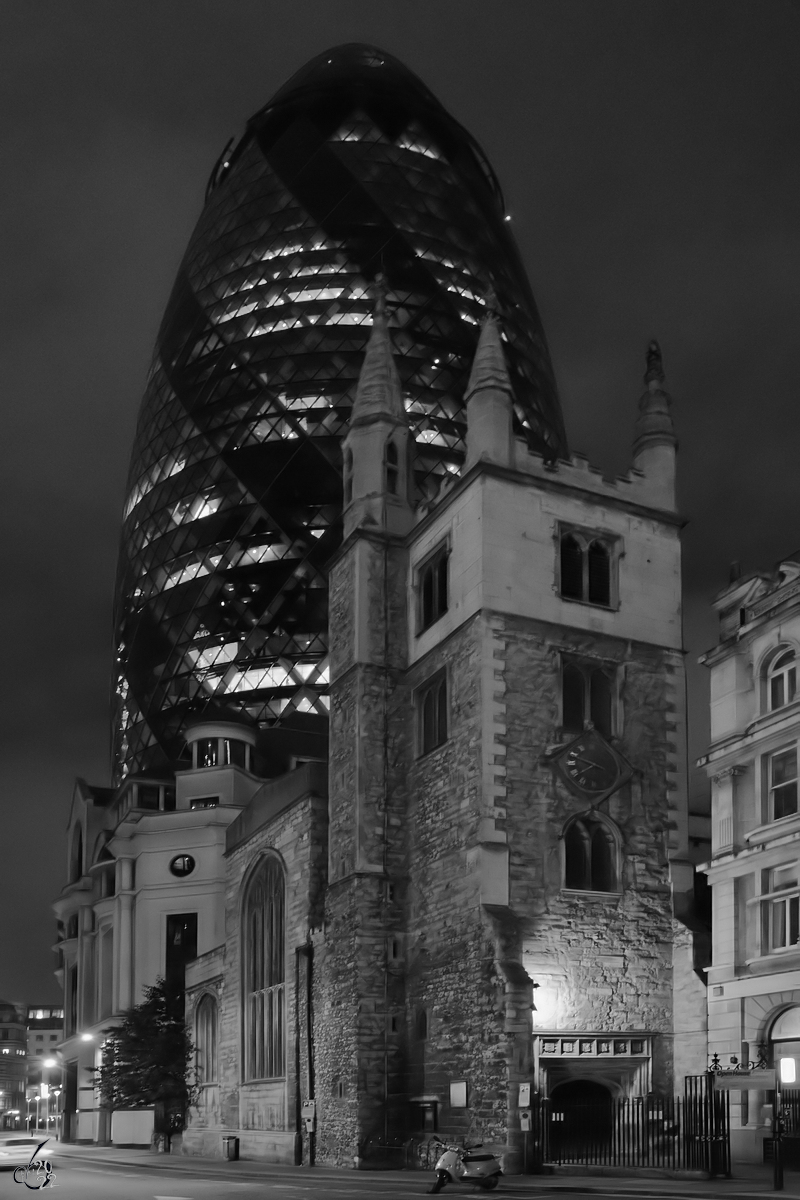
230,1147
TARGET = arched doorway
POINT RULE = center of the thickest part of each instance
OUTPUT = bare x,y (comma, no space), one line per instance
582,1113
784,1037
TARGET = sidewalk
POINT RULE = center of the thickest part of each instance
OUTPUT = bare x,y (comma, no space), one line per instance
749,1180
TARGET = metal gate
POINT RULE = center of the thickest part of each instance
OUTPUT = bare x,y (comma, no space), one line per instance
689,1132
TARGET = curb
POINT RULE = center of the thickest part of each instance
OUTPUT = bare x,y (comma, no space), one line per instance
257,1172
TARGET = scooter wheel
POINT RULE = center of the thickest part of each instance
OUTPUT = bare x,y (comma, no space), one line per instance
489,1184
439,1182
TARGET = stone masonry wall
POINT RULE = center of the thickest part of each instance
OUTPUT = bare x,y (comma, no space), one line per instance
452,945
358,997
610,954
298,836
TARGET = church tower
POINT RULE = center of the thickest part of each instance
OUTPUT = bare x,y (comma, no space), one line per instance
360,1007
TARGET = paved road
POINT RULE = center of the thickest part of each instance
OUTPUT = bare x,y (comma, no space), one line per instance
78,1180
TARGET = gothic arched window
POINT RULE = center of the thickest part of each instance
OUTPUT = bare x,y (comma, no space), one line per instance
392,464
585,568
599,571
571,568
205,1023
590,854
781,680
587,694
263,944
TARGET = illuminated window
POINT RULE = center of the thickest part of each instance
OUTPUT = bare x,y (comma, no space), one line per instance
432,714
234,752
782,680
589,857
204,802
207,752
263,936
782,779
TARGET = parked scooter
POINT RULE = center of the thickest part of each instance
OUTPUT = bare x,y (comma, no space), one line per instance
462,1165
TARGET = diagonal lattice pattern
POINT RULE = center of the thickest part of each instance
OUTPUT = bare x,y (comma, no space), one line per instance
234,496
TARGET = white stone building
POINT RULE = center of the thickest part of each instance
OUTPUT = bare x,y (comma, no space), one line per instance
754,870
145,895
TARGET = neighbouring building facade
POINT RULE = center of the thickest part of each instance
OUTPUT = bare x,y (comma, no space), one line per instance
406,821
13,1065
754,870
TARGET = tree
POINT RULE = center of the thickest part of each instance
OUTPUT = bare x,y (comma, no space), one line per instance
147,1060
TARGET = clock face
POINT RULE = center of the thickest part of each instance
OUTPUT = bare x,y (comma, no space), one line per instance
590,767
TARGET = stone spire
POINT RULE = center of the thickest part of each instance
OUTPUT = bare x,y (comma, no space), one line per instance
489,398
379,394
377,448
655,443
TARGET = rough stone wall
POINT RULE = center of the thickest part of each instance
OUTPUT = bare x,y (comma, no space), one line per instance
358,992
298,835
452,941
611,954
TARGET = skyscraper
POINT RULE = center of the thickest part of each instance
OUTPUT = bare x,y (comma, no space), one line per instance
234,497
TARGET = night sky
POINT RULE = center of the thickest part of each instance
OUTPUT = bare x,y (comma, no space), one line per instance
648,151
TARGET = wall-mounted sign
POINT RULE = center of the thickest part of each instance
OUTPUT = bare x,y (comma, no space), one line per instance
182,864
458,1094
739,1081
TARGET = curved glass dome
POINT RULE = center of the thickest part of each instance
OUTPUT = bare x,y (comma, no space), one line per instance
234,496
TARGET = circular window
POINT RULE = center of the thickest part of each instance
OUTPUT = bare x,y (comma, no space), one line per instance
182,864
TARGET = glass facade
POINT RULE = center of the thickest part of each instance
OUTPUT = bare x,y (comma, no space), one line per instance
235,495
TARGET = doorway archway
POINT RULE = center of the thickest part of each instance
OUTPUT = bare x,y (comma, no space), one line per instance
582,1111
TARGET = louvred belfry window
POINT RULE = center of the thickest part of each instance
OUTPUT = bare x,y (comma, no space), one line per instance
263,936
587,694
589,857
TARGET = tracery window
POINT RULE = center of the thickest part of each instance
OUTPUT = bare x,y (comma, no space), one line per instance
585,566
206,1039
781,680
587,694
590,854
263,936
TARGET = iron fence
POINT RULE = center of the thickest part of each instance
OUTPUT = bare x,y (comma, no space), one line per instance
677,1133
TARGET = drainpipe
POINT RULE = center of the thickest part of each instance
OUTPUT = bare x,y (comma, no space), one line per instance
307,1083
298,1136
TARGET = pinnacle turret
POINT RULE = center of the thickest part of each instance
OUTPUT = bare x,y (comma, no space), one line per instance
377,448
489,370
655,443
654,424
489,398
379,394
